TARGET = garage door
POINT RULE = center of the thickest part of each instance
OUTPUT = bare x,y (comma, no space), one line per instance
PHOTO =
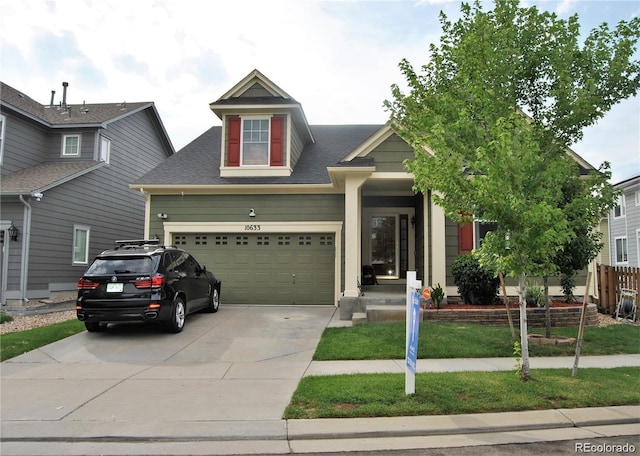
267,268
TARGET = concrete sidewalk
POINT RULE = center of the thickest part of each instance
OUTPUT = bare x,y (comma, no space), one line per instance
467,364
221,386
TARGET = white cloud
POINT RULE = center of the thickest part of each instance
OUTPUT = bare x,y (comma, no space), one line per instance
337,58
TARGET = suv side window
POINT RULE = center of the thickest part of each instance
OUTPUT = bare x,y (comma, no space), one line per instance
172,263
191,265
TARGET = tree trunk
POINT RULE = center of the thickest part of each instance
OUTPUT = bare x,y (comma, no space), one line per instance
524,336
547,308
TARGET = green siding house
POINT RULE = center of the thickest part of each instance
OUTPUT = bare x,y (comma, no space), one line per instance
290,213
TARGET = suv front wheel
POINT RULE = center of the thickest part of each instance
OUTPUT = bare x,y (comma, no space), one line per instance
214,301
176,323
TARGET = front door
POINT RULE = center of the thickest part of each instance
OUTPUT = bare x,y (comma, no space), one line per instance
389,245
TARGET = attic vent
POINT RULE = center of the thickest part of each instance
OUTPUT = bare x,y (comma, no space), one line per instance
123,106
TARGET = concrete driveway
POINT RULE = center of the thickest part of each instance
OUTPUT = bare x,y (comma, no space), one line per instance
228,375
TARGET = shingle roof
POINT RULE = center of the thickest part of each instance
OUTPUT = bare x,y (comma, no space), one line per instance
198,163
56,115
44,176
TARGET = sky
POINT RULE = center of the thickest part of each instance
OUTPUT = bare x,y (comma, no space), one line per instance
337,58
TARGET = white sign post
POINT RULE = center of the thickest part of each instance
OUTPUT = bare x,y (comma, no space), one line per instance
413,327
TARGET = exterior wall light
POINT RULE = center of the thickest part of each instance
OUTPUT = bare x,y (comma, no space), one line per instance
13,232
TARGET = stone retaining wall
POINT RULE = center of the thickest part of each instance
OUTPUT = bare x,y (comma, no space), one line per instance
536,318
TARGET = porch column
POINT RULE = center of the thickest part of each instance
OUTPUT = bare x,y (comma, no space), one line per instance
438,243
353,229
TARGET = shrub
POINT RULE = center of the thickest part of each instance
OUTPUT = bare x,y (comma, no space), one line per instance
5,318
475,284
534,295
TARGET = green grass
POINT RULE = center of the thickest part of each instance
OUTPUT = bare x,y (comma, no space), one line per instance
456,340
375,395
17,343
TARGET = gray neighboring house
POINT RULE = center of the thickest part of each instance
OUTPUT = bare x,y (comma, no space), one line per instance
65,195
624,225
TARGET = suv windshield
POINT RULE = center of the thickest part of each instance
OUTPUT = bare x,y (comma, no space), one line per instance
140,265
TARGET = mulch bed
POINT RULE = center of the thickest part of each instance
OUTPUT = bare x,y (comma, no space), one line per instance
512,305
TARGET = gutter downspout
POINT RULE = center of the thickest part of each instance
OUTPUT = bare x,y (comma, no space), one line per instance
26,240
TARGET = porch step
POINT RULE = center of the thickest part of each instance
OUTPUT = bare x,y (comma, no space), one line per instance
382,313
359,318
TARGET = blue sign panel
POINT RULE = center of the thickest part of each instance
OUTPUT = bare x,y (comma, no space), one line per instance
414,328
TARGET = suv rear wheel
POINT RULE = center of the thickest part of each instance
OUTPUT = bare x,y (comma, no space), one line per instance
176,323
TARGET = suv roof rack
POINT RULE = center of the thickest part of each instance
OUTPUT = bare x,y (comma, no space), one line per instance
131,243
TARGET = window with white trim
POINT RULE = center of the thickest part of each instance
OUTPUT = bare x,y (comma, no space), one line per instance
70,145
3,121
620,210
105,149
622,254
255,142
81,244
637,198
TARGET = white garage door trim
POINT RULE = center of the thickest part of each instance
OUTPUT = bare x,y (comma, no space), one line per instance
266,227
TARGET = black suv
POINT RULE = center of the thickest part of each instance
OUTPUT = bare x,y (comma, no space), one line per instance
140,280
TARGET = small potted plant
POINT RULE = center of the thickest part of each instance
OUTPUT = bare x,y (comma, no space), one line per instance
437,295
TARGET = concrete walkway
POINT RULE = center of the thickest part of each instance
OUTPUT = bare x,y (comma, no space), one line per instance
221,387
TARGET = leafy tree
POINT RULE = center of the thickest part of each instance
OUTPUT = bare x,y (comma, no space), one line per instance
491,117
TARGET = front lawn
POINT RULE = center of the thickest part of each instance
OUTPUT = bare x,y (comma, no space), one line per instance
17,343
376,395
457,340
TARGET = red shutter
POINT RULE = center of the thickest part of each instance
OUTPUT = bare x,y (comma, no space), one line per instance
233,142
465,237
277,141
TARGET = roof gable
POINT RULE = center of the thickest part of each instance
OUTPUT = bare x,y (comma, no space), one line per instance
255,84
257,93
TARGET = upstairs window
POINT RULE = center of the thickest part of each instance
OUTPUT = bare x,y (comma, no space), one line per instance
620,210
255,141
3,121
105,149
71,145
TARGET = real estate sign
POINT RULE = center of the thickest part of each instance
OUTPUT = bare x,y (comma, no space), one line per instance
413,328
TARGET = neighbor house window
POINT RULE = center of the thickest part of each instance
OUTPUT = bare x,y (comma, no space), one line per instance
255,141
105,149
3,121
80,244
622,255
70,145
620,210
637,197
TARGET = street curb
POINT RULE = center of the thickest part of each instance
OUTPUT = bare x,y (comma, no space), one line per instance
437,425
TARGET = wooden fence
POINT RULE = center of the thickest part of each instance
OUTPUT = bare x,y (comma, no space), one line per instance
611,279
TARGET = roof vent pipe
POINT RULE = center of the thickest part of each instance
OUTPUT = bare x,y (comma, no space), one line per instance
53,93
64,93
